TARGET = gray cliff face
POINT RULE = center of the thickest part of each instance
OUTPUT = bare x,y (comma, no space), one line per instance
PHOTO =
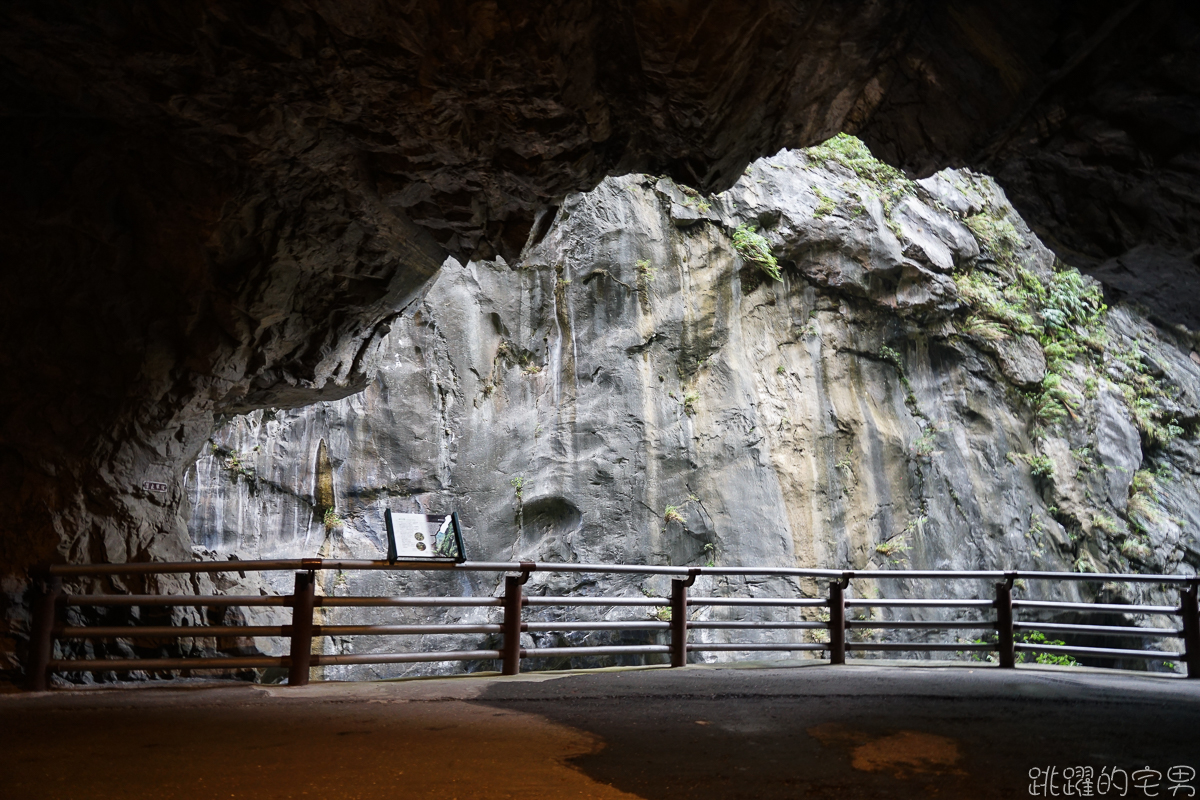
636,390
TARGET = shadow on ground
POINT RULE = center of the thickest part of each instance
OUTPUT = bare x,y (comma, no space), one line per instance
859,731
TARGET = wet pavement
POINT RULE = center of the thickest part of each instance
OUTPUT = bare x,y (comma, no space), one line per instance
814,731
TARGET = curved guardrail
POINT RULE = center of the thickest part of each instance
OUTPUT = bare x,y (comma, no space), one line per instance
50,604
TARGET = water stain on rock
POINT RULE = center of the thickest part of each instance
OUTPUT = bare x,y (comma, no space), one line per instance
902,753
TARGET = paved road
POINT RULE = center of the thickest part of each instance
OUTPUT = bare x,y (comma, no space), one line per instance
800,732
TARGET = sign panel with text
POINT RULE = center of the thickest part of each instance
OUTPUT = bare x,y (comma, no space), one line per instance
423,537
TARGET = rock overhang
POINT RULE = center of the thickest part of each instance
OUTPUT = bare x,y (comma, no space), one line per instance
216,207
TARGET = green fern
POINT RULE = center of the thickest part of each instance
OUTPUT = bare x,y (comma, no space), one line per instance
755,249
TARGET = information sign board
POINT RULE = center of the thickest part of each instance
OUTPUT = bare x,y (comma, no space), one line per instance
423,537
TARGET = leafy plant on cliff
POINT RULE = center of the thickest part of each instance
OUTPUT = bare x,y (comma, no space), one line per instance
672,513
1037,637
925,444
1105,523
820,635
645,272
1072,308
331,519
986,294
997,236
754,249
850,152
891,356
1135,550
1054,401
695,199
910,397
825,204
1144,481
890,184
1072,313
1064,311
1144,394
689,402
986,329
1143,498
233,462
1027,637
1040,466
892,547
518,483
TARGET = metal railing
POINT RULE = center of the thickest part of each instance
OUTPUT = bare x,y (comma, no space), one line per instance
50,604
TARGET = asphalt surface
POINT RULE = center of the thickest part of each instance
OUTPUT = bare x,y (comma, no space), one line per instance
814,731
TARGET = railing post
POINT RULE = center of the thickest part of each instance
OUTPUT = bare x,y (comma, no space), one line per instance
304,598
1189,609
511,626
837,621
679,618
46,604
1005,639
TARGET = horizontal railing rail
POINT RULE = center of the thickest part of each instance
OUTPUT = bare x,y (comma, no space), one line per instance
825,616
1116,630
311,564
1119,608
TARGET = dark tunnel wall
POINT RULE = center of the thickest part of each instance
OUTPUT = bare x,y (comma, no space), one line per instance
215,206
